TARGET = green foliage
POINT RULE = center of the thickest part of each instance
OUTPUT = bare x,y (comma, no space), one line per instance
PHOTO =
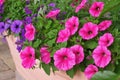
46,68
91,44
110,5
57,46
105,75
71,73
117,69
36,43
15,8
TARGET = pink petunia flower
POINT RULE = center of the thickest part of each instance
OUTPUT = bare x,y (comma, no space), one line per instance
96,9
52,14
72,24
79,53
101,56
45,55
90,71
2,1
104,25
28,57
63,35
81,5
30,32
64,59
88,31
106,40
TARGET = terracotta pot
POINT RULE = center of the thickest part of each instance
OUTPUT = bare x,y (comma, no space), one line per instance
37,74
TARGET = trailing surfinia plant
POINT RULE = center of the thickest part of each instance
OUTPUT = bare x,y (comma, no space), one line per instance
67,35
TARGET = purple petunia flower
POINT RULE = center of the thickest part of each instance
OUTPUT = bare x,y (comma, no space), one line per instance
61,16
7,24
2,27
28,20
1,9
19,44
27,2
19,48
23,35
9,21
27,10
16,26
52,5
34,15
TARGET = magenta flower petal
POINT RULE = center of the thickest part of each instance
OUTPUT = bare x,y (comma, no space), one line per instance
96,9
88,31
64,59
106,40
45,55
101,56
72,24
63,35
53,14
30,32
104,25
90,71
79,53
81,5
2,1
28,63
28,57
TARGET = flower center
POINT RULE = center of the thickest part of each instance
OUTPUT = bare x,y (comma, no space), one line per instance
108,41
103,54
64,57
89,32
30,55
73,25
94,71
16,26
2,27
98,8
77,53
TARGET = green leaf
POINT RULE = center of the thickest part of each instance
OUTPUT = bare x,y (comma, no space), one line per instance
82,66
53,67
51,42
16,35
41,11
52,33
91,61
110,67
52,53
115,46
36,43
109,5
48,24
105,75
117,69
57,46
37,54
60,45
70,72
90,44
46,68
